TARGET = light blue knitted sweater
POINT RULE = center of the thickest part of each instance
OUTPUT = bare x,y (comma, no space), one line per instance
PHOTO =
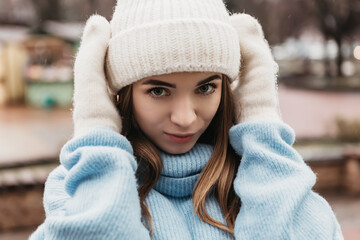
93,193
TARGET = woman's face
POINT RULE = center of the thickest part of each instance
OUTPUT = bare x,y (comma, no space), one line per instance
173,110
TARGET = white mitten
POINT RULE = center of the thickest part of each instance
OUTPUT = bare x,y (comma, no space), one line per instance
256,92
93,105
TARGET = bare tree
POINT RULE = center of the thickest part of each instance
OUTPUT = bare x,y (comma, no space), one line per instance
46,10
279,18
336,19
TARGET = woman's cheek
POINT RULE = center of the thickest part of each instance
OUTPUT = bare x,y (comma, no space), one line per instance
154,112
209,108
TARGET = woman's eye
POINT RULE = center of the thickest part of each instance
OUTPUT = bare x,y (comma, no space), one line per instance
207,89
158,92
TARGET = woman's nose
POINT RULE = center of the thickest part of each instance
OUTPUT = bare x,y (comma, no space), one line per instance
183,113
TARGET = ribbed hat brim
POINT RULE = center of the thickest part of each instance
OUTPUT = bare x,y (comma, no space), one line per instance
184,45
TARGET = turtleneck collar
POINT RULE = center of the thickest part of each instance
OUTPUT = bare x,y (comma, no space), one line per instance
180,171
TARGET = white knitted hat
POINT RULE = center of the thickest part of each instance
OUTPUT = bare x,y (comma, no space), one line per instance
154,37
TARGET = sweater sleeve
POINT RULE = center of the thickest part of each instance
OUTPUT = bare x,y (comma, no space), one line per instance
275,187
93,193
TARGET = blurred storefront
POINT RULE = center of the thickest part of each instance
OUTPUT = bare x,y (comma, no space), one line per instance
37,71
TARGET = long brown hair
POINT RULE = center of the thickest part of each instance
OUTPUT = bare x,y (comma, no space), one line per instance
216,177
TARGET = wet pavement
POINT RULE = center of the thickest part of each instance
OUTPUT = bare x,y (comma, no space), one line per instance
312,114
32,134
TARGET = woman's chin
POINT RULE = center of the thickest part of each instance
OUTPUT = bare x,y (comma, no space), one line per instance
177,148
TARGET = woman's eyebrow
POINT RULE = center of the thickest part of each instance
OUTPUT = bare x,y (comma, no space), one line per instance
208,79
158,83
166,84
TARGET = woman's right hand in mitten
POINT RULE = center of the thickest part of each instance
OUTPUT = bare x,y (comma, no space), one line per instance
92,102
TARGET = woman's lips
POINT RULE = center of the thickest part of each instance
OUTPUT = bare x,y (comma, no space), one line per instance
183,138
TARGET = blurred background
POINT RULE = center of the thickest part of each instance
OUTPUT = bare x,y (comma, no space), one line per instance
315,42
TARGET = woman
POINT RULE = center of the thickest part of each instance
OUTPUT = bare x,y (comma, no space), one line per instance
183,153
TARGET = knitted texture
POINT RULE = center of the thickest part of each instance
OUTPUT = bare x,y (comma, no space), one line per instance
154,37
93,193
256,92
92,103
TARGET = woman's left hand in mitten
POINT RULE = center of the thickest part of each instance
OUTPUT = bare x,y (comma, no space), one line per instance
256,92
